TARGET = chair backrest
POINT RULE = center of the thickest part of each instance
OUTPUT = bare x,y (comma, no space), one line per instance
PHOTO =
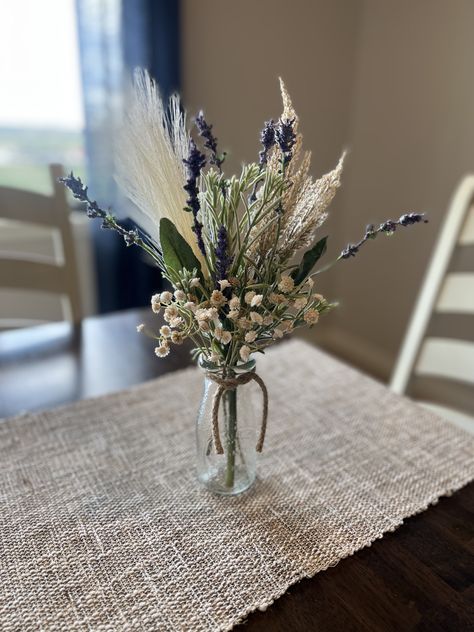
436,362
26,271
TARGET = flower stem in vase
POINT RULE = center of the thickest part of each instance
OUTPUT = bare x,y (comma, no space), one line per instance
231,414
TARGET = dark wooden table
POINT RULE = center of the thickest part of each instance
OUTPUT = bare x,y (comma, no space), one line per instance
417,578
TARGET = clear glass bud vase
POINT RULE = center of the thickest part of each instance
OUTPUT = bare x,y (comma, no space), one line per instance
238,428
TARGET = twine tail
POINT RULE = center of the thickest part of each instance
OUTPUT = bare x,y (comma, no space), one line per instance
224,385
215,420
263,427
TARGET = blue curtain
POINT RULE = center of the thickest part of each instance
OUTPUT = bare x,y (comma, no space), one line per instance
115,36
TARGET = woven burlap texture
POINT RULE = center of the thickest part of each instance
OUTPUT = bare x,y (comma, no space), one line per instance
103,526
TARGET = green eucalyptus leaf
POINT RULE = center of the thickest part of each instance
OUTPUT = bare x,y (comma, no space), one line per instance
177,253
309,260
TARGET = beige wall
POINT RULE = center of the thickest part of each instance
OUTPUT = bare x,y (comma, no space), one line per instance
393,80
412,138
234,52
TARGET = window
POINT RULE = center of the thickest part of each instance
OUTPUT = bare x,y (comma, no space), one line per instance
41,114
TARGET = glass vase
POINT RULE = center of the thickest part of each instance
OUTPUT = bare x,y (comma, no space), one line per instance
235,435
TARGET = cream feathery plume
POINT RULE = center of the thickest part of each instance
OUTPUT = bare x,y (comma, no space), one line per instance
305,202
310,211
151,148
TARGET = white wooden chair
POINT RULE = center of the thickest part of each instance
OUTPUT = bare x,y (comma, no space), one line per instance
436,361
54,275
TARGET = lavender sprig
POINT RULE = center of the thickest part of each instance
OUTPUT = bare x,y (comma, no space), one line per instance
195,163
388,228
109,222
267,138
286,138
205,131
223,259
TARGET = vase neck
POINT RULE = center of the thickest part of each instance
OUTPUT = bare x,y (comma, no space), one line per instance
225,370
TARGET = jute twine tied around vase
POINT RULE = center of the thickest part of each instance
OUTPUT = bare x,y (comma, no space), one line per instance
228,384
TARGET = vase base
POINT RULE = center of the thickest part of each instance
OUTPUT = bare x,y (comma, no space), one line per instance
215,482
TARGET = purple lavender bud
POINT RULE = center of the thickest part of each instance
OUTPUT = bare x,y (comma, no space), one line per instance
349,251
286,138
205,131
412,218
79,191
267,138
195,162
388,227
131,237
76,187
223,259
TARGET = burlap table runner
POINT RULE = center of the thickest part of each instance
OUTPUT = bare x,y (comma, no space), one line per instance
103,526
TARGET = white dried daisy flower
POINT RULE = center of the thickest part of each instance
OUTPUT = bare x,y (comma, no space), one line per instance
204,325
250,336
201,314
217,298
234,303
165,331
278,333
180,295
190,305
226,337
233,314
257,300
249,297
224,283
286,284
194,282
170,312
300,303
213,314
319,297
140,328
277,299
245,323
166,297
244,353
155,298
268,319
286,326
255,317
177,337
222,335
214,358
162,351
311,316
176,322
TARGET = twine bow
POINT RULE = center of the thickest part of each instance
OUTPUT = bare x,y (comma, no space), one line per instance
228,384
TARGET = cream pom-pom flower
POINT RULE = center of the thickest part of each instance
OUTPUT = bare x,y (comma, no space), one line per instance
286,284
162,351
244,353
311,316
165,331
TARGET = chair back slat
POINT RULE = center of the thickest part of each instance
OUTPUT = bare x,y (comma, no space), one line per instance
457,294
27,207
26,272
31,275
446,357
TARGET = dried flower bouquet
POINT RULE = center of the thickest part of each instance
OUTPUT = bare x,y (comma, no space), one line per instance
229,246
